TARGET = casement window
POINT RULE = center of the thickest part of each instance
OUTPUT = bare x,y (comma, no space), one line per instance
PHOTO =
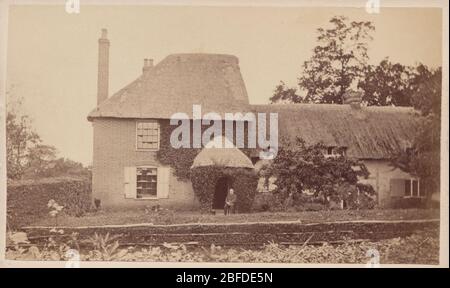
332,151
412,188
146,182
147,135
407,188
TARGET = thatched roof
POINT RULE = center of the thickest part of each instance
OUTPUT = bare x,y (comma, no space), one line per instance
368,132
215,82
178,82
221,157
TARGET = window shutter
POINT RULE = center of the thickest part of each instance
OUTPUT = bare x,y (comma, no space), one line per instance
130,183
163,182
397,187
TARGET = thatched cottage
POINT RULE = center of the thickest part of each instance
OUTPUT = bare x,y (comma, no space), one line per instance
129,132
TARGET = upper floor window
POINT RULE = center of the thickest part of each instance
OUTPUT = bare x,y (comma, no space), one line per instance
147,135
332,151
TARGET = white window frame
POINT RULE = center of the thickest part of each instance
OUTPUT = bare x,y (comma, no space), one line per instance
411,180
334,153
136,135
149,197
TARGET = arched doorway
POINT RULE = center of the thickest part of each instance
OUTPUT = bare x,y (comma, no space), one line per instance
220,192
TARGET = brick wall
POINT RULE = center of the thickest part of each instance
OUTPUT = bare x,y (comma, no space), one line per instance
114,149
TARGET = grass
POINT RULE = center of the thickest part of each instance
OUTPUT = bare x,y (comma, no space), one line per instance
180,217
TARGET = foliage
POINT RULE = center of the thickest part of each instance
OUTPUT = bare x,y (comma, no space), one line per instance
337,61
244,182
419,248
392,83
387,84
55,209
27,156
105,247
179,159
339,64
299,168
56,168
427,97
20,139
285,94
27,200
423,159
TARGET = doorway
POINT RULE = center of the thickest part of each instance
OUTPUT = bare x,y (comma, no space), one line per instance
220,192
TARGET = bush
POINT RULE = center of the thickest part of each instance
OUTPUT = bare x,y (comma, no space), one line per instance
300,167
27,200
244,182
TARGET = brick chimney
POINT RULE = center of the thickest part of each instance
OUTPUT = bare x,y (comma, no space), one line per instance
103,67
148,65
353,98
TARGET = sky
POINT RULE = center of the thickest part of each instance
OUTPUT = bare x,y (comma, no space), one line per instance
52,55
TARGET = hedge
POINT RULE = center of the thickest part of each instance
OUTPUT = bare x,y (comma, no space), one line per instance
244,182
27,199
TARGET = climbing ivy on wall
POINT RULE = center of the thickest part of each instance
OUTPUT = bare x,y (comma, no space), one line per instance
180,159
243,180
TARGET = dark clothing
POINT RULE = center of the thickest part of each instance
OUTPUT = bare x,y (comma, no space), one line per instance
231,199
228,209
230,202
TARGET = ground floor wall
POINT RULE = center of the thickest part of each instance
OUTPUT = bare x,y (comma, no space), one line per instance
115,154
384,178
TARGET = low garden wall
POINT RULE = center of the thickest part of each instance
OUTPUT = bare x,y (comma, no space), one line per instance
27,199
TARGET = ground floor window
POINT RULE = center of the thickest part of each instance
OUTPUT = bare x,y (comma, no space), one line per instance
407,188
146,182
412,188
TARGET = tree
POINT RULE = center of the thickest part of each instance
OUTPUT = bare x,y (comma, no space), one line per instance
40,159
386,84
299,168
66,167
285,94
423,159
20,138
390,83
27,156
337,62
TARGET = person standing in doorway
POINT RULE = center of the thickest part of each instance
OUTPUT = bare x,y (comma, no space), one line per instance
230,202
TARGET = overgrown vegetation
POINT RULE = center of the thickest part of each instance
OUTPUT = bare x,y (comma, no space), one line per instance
302,169
28,200
419,248
179,159
244,182
423,157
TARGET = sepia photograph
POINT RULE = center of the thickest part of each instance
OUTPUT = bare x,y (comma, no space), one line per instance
224,134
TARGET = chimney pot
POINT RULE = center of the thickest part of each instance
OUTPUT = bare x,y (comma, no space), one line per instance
353,98
104,33
148,65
